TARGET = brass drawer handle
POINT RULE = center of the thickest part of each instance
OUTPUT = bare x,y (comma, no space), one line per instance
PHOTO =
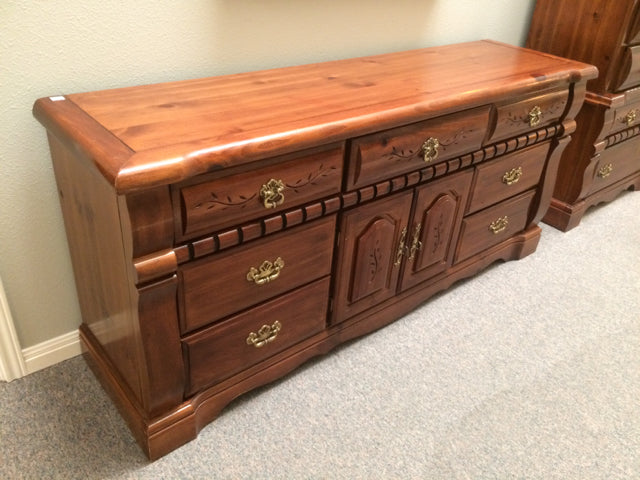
266,334
267,272
430,149
629,118
271,193
535,116
500,225
605,171
416,244
512,176
402,248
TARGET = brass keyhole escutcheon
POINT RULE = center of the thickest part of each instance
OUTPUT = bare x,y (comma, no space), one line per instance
535,116
430,149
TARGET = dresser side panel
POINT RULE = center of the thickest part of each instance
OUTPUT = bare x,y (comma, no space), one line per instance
92,224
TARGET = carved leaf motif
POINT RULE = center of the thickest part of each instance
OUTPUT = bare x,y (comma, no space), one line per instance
410,154
214,202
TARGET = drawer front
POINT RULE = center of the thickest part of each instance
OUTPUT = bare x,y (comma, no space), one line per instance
493,225
513,119
615,163
223,284
235,199
629,69
624,117
504,178
383,155
255,335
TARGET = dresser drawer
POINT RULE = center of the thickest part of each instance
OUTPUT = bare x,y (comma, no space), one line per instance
231,200
255,335
223,284
493,225
383,155
627,115
615,163
513,119
514,173
629,69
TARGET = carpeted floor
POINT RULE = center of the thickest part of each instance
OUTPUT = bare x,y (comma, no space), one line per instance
530,370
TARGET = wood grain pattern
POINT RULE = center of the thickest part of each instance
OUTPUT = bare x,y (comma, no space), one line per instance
607,35
171,292
591,31
180,129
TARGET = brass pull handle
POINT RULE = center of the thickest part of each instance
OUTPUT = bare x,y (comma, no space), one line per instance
271,193
266,334
605,171
430,149
500,225
416,244
629,118
402,248
535,116
267,272
512,176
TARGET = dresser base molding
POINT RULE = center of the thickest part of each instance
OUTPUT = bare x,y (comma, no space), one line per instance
159,436
203,225
565,216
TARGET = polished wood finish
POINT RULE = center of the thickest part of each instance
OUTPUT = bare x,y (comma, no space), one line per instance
225,230
232,199
306,252
220,351
606,34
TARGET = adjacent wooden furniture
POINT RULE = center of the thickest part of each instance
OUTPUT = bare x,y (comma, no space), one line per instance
603,159
225,230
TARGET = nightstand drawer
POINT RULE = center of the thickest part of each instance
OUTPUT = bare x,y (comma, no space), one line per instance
493,225
615,163
251,337
626,115
383,155
225,283
234,199
513,174
513,119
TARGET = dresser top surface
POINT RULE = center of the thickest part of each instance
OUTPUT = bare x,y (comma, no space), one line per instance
158,134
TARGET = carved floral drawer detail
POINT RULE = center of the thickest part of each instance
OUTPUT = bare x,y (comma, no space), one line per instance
219,246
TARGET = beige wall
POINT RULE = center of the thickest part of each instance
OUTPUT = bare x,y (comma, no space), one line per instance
58,47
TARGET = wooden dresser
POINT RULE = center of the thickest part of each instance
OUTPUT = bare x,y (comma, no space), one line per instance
225,230
603,158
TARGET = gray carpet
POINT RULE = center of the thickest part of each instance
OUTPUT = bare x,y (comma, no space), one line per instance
530,370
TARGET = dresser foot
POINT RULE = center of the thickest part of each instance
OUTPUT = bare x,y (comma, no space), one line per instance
565,216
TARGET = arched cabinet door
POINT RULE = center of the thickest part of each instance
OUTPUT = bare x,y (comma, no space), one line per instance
372,245
433,232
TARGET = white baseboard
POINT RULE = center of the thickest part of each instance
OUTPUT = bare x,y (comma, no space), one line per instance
52,351
11,361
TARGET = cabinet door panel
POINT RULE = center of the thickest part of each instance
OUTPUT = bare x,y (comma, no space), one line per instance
367,270
438,215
